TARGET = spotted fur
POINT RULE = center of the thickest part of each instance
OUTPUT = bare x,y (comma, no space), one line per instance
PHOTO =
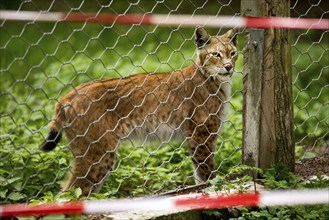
188,105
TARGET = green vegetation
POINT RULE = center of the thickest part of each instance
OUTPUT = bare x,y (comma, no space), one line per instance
310,59
277,177
40,62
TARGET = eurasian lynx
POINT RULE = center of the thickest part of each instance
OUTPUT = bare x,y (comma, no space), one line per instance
189,104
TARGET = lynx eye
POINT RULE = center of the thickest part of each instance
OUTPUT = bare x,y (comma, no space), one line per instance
216,54
233,53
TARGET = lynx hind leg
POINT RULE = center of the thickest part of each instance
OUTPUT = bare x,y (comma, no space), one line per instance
201,145
90,167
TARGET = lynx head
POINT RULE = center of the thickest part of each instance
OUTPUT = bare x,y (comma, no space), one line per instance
216,54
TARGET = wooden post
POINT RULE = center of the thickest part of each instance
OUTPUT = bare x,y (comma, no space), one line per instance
268,105
253,74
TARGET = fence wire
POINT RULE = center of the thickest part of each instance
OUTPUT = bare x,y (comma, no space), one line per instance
43,61
310,65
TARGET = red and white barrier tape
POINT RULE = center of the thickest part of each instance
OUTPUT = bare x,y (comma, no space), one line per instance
172,20
199,201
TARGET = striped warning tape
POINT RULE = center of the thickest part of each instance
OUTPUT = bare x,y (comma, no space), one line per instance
171,20
196,201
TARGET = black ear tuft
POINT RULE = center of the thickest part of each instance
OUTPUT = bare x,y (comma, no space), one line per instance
232,35
201,37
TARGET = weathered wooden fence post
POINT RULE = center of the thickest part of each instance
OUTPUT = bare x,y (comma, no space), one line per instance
268,105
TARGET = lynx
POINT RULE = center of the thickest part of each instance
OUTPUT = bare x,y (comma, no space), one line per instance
187,105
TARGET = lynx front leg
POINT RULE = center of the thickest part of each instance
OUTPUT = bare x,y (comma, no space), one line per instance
92,163
89,175
201,145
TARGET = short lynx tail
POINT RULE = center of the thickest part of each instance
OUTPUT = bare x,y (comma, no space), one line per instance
52,140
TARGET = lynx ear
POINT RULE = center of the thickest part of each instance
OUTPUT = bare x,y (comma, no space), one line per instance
201,37
232,35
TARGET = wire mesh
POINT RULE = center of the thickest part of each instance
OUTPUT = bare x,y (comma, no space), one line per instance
42,61
310,60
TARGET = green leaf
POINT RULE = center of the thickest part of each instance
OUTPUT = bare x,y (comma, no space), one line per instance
5,182
62,161
309,154
15,196
3,193
77,192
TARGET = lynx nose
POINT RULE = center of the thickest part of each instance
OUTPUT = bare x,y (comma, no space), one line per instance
228,67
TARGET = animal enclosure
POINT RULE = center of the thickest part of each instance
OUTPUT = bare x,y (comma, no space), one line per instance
40,62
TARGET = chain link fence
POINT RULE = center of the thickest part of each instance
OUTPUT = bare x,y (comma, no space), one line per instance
43,61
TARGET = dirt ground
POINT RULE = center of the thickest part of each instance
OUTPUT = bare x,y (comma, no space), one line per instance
307,168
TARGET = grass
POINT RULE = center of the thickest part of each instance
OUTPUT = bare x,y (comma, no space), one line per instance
40,62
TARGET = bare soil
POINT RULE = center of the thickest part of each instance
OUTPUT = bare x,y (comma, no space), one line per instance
307,168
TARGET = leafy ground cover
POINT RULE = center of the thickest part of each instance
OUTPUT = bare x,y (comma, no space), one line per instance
277,177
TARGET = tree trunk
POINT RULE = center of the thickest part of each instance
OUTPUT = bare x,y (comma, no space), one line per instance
270,140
